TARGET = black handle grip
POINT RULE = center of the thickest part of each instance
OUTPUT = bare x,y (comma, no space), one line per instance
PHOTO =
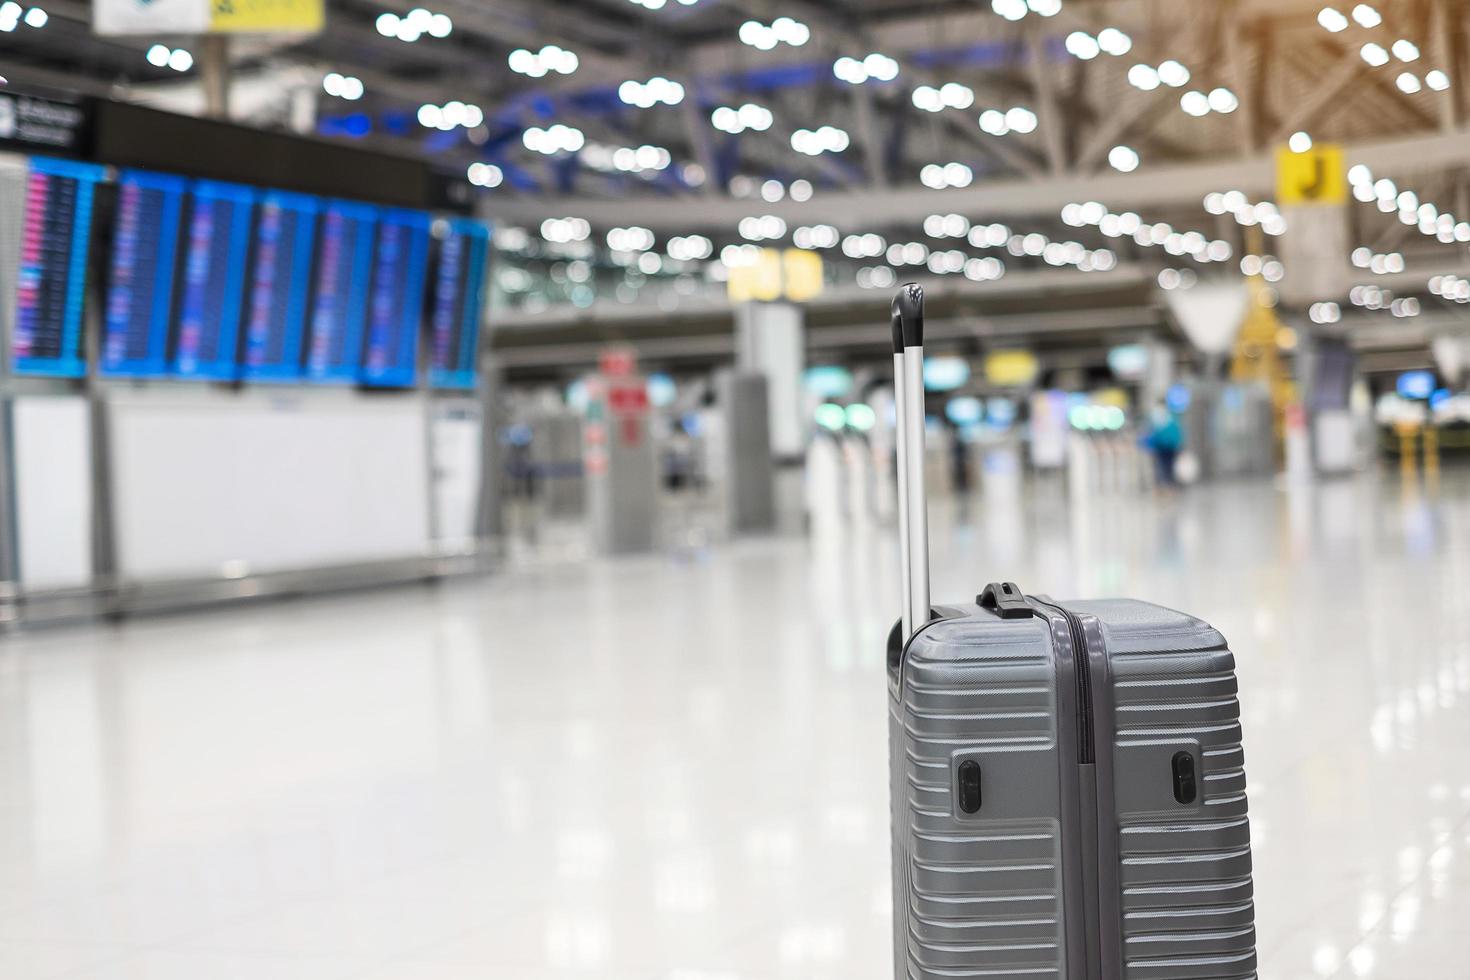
908,317
1005,599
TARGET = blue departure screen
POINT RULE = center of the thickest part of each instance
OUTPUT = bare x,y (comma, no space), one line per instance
140,291
55,232
396,310
283,237
213,288
459,289
339,310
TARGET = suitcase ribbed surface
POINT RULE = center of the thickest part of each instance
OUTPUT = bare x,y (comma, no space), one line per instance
1186,881
983,896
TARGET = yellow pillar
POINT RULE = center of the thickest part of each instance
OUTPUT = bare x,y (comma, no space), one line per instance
1407,454
1431,453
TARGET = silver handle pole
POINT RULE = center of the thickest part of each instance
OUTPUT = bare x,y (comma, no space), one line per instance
917,503
908,388
901,457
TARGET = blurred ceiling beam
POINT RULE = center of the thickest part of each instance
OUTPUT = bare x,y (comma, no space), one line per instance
1160,186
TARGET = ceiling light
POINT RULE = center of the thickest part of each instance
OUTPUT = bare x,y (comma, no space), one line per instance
1374,54
1009,9
1082,45
1020,119
1195,103
181,60
1173,74
1366,16
1332,19
1123,159
158,56
1437,80
1143,77
485,175
1114,41
1223,100
1405,50
1408,82
645,95
36,17
1299,142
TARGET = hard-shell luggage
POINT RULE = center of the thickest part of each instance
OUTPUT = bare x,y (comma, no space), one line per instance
1068,786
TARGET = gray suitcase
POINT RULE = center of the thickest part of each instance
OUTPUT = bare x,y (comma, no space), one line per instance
1068,786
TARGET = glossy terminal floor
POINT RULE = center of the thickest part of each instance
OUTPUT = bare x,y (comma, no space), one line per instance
673,768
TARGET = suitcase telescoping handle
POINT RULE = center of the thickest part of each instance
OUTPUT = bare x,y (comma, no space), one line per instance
908,396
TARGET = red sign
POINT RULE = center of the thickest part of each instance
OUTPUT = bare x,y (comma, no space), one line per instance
617,362
628,399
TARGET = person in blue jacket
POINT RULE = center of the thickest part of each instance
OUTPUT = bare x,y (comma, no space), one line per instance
1165,440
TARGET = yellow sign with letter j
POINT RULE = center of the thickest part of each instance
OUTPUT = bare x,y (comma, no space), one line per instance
1316,176
267,16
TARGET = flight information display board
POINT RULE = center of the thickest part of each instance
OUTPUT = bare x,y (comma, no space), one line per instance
339,310
212,293
396,310
145,239
284,230
56,228
459,296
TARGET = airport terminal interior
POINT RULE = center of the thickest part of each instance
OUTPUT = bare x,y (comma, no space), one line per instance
460,494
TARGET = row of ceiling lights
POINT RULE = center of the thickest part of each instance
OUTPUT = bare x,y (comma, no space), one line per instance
1429,219
12,15
1192,243
1109,40
1451,288
1378,298
341,86
1376,55
1324,312
748,116
782,30
414,25
162,56
771,190
485,174
450,115
950,95
1245,212
646,95
626,159
1017,9
874,67
1378,263
814,142
551,58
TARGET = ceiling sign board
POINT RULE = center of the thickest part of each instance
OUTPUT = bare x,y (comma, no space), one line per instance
150,16
267,16
47,125
208,16
1314,177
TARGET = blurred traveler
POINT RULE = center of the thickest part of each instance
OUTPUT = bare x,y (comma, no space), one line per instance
1165,440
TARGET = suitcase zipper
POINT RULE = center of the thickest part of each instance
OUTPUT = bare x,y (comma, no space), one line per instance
1086,753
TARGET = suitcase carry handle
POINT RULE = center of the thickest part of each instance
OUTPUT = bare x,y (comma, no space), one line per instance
908,392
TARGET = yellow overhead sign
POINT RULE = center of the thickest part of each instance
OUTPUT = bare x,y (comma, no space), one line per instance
1009,368
1314,177
267,16
794,274
803,274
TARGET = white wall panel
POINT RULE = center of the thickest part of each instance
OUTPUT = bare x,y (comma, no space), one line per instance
206,482
53,490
